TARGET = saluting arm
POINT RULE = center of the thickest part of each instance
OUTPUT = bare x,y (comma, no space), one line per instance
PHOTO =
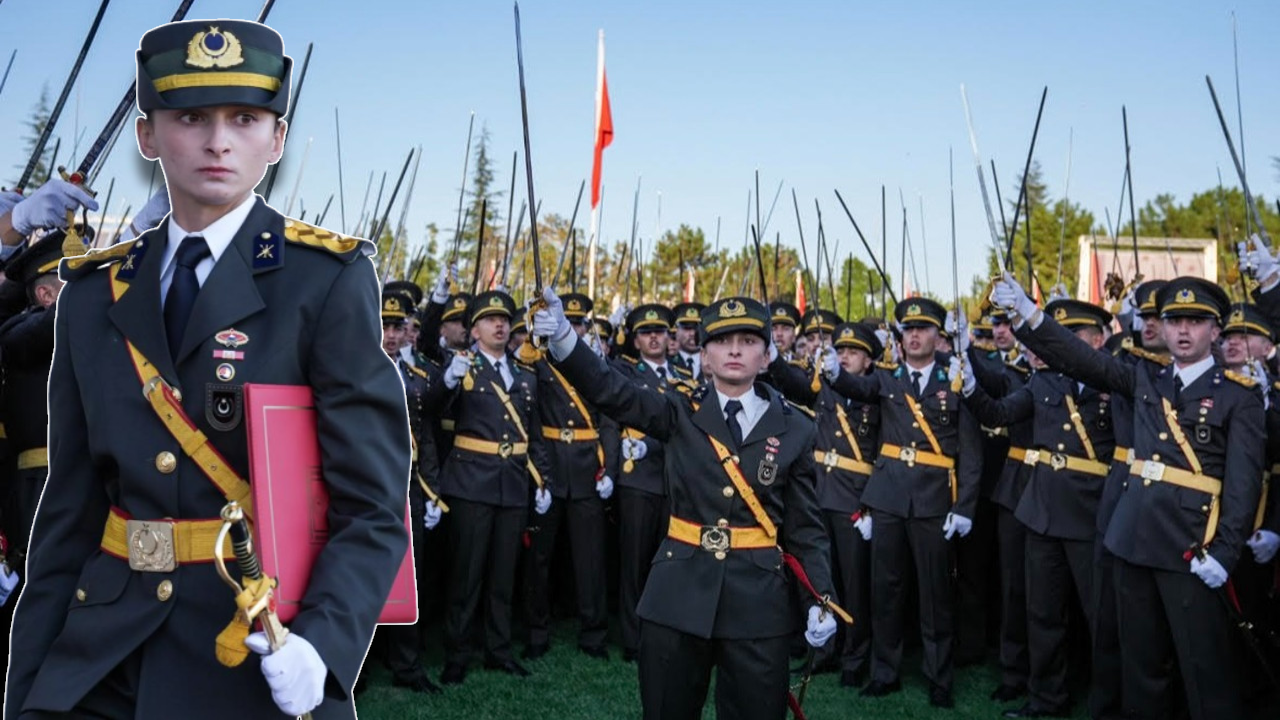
616,395
793,382
1061,350
1008,410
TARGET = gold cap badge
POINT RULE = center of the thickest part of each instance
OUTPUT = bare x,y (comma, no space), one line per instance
214,48
1237,316
574,305
730,309
651,315
1185,296
1060,314
913,309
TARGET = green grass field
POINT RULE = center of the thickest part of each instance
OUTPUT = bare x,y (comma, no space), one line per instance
567,685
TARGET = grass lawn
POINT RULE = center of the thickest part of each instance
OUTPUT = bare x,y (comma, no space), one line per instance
567,685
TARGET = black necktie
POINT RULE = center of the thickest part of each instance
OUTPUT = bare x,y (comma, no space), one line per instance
915,382
498,368
183,289
731,409
1177,388
662,372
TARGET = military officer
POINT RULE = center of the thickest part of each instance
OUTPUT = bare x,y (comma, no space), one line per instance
413,323
576,441
922,493
1188,507
740,465
150,356
1070,453
688,354
498,449
785,318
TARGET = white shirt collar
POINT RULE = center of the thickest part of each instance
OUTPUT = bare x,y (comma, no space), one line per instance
1192,372
493,359
925,371
753,407
218,235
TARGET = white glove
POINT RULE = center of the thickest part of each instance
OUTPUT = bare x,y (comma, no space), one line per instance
819,631
633,449
956,525
440,293
960,336
618,315
1007,293
9,581
1136,323
884,336
458,368
1059,292
551,323
432,517
47,207
8,200
151,215
295,672
1263,543
541,501
1129,303
863,525
1255,254
962,369
830,360
1209,570
604,487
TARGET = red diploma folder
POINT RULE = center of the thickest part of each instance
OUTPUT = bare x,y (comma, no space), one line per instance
291,502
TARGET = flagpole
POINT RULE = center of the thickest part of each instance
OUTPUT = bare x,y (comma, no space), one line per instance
596,170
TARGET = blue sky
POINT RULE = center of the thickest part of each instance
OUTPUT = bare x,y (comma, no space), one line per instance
820,95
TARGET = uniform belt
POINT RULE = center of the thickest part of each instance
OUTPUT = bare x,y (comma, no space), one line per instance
831,459
719,537
1062,461
489,447
1151,471
3,433
33,458
911,456
570,435
161,545
1018,454
1124,455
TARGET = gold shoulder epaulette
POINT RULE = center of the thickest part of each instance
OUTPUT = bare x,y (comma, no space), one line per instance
418,371
1159,358
1240,378
984,345
803,409
890,366
98,257
302,233
526,367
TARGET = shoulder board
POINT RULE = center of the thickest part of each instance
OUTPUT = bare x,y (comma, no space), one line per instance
1158,358
1240,378
984,345
79,265
418,371
801,408
629,360
1019,367
347,248
525,367
685,388
890,366
699,393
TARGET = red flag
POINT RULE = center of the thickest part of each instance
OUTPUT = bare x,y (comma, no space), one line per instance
1095,277
800,298
604,124
689,286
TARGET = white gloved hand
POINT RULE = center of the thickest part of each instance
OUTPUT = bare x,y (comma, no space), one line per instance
830,361
1136,323
604,487
1209,570
1007,293
634,449
618,315
956,525
440,292
818,631
1059,292
883,336
458,368
863,525
432,516
541,501
295,672
47,207
550,322
8,581
960,336
8,200
1263,543
151,215
965,372
1255,254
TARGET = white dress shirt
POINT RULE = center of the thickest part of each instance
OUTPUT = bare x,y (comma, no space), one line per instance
504,367
217,236
753,407
1192,372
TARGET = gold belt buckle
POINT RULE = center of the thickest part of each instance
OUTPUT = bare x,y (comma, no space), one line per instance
150,546
714,539
907,455
1032,457
566,435
1057,461
1152,470
829,459
504,449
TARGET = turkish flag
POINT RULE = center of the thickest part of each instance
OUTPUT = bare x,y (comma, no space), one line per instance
604,124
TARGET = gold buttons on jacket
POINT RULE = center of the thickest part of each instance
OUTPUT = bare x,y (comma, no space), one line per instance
164,591
720,555
166,462
722,523
80,594
728,491
1163,436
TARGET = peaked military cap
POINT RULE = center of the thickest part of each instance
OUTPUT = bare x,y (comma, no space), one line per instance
395,306
576,305
998,316
1249,319
456,308
689,313
43,256
820,321
1145,295
784,313
408,288
860,336
202,63
493,302
604,329
920,312
652,315
518,324
1189,296
735,314
1078,313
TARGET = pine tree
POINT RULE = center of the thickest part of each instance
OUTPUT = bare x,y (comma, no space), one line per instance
35,126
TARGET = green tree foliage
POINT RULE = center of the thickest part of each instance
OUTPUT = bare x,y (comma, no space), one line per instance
1056,224
35,126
